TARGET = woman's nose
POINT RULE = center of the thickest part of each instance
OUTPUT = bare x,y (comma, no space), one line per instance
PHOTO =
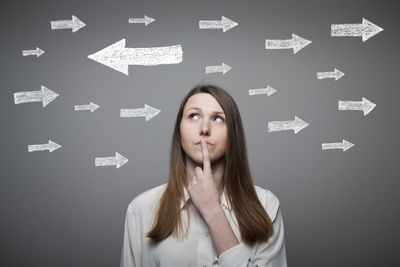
205,129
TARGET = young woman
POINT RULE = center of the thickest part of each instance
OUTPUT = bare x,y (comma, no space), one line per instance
209,213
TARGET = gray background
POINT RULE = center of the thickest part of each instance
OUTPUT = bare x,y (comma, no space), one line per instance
339,208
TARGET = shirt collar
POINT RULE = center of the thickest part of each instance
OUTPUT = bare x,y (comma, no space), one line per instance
223,199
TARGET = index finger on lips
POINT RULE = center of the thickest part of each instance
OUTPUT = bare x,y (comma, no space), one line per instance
206,158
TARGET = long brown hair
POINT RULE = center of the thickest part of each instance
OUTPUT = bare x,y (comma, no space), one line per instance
254,222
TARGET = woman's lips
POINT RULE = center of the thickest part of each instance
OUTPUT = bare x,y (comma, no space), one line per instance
199,143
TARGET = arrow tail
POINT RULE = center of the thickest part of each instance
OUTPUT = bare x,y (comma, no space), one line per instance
127,113
25,97
61,24
261,91
152,55
278,44
29,52
105,161
350,105
210,24
332,146
274,126
137,20
214,69
353,30
40,147
82,107
325,75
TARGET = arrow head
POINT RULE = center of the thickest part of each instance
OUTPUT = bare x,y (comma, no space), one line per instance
39,52
346,145
77,24
150,112
227,24
299,124
270,90
225,68
369,30
93,106
148,20
338,74
111,57
299,43
121,160
53,146
48,96
368,106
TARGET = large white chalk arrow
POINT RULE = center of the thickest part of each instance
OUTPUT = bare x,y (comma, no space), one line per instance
344,145
92,107
75,24
146,20
224,68
117,57
337,74
36,52
118,161
297,43
225,24
262,91
148,112
45,95
366,30
51,146
297,125
365,105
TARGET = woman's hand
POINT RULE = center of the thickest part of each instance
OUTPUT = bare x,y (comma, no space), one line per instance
202,189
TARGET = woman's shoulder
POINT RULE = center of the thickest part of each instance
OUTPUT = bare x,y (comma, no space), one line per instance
147,199
269,201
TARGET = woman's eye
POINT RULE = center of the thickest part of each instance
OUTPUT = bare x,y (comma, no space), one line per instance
218,117
192,115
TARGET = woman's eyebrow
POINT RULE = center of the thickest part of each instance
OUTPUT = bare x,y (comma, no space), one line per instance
196,108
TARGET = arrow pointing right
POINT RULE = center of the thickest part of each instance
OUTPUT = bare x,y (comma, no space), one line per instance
37,52
148,112
297,43
337,74
75,24
365,105
118,160
296,125
45,95
345,145
224,68
51,146
92,107
146,20
225,24
262,91
366,30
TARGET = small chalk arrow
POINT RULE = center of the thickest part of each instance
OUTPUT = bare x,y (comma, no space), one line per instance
345,145
365,30
75,24
92,107
36,52
225,24
365,105
45,95
262,91
51,146
224,68
337,74
297,43
148,112
146,20
117,57
118,161
297,125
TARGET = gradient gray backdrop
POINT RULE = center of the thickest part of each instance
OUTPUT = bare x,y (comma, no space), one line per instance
339,208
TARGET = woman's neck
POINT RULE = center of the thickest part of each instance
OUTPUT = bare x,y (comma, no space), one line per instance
217,168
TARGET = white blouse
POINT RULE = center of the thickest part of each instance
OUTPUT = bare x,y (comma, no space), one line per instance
197,249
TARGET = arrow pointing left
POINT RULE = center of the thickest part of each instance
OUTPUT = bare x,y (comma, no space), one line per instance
45,95
118,160
75,24
36,52
51,146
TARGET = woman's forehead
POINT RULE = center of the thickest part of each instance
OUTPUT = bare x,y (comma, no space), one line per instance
204,102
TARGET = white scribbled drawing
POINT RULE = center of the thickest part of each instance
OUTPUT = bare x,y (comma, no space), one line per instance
337,74
50,146
35,52
118,160
366,30
45,95
225,24
146,20
344,145
148,112
92,107
117,57
75,24
263,91
365,105
224,68
297,43
296,125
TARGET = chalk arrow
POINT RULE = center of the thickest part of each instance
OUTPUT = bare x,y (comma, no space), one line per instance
75,24
297,43
36,52
365,105
51,146
92,107
118,161
146,20
45,95
366,30
262,91
337,74
148,112
223,68
297,125
225,24
344,145
117,57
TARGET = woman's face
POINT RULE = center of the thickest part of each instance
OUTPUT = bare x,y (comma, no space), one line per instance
203,118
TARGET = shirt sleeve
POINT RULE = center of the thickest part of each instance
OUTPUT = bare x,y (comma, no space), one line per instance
131,241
